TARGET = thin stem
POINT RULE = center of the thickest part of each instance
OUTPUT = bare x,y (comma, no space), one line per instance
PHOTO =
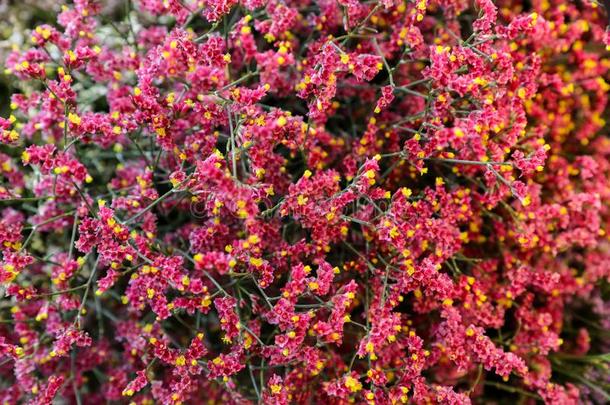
511,389
77,321
91,211
69,290
26,199
73,237
470,162
385,62
150,206
77,395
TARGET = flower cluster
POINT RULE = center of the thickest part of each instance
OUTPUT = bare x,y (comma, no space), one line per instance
334,201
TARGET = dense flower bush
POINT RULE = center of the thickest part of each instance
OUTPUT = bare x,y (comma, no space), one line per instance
299,201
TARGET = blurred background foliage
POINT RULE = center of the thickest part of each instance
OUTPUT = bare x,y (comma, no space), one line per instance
17,19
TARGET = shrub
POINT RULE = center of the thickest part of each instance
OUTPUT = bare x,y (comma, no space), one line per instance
307,202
